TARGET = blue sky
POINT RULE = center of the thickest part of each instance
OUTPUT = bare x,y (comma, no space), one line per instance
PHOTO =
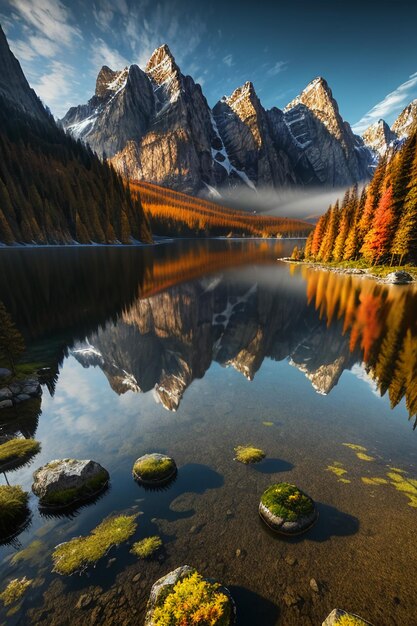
367,51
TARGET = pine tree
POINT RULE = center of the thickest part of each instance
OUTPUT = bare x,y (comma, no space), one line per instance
11,341
326,248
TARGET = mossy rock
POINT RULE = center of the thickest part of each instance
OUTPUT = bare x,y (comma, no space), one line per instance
67,482
287,510
154,469
77,554
17,452
249,454
184,596
338,617
13,510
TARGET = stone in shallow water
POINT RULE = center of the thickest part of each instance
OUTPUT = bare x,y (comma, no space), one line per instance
399,278
64,482
164,586
4,372
287,510
334,619
154,469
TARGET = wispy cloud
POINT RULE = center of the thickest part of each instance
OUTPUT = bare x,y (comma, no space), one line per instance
391,105
103,54
280,66
50,18
228,60
55,86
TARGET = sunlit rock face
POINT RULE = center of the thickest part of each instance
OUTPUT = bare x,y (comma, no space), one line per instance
14,86
406,121
379,137
156,125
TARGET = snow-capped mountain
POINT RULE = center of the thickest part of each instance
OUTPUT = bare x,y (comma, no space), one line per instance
380,138
156,125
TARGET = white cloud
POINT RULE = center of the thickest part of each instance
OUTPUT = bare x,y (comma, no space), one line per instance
280,66
228,60
392,104
22,50
102,54
49,17
56,86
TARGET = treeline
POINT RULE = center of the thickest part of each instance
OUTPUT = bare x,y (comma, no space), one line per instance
380,224
382,327
174,213
55,190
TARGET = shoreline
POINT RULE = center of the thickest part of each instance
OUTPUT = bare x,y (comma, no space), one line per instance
360,272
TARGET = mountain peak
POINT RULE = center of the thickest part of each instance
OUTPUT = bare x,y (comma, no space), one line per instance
108,81
161,59
406,120
378,136
317,95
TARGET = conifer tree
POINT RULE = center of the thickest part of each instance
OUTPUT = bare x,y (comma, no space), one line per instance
11,341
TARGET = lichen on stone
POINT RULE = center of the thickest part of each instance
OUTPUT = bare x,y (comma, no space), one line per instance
193,601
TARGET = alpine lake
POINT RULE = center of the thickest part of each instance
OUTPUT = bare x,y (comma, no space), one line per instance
192,348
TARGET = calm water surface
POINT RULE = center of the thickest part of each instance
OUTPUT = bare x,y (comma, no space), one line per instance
191,349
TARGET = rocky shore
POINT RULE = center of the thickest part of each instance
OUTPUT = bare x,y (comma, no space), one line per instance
393,278
18,391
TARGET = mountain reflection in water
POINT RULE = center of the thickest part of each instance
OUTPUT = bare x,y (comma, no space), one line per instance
158,320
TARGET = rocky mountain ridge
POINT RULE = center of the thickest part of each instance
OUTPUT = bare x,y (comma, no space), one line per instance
156,125
382,139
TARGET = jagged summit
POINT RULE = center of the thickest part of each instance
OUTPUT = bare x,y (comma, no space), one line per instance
317,95
378,137
109,81
161,61
406,120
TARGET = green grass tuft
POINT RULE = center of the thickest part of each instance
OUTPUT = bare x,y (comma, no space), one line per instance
78,553
287,501
249,454
146,547
15,590
13,508
17,452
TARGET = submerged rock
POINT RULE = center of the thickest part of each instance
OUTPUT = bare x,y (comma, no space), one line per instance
338,616
199,591
154,469
65,482
287,510
399,278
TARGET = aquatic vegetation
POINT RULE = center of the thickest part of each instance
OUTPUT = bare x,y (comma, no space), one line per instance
287,501
193,601
17,452
249,454
146,547
30,553
344,480
336,469
15,590
13,508
349,620
360,451
78,553
154,467
364,457
408,486
268,423
355,446
374,480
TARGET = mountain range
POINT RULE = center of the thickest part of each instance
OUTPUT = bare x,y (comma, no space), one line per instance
156,125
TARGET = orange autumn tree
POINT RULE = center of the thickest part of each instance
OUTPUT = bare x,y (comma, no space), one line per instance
377,242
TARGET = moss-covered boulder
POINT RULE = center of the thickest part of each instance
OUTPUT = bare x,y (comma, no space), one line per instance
249,454
17,452
286,509
338,617
66,482
13,510
154,469
185,597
